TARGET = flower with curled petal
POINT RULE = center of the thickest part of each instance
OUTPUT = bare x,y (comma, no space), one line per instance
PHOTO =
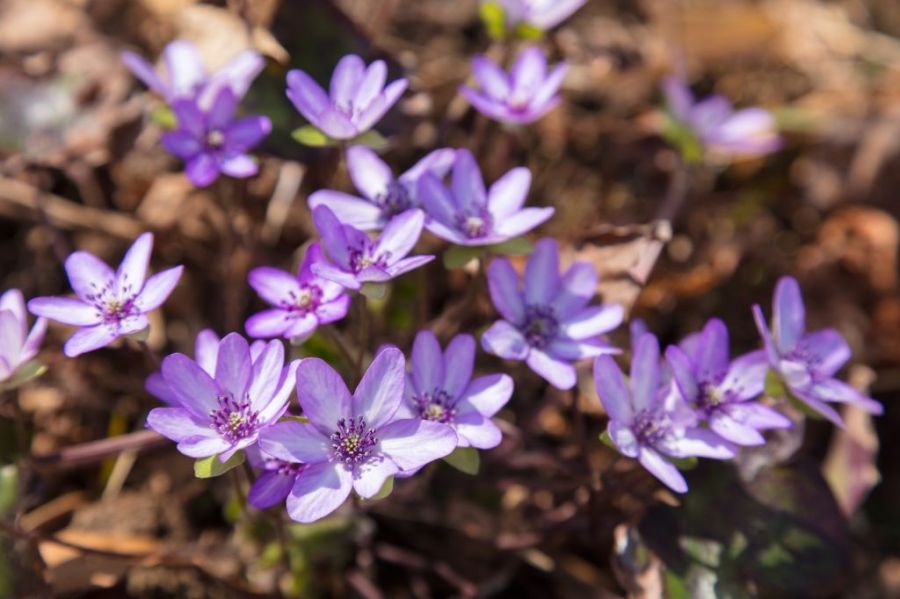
18,345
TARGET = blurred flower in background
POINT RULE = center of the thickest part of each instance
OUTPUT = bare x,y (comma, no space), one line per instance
18,345
526,18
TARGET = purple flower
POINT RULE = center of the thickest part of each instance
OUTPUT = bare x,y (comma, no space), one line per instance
355,258
648,421
275,480
543,14
717,126
548,323
212,142
807,362
222,413
383,196
108,304
18,346
440,388
351,442
524,95
206,354
357,97
302,302
185,78
466,214
723,393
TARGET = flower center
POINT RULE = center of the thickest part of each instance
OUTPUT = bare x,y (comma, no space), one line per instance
394,200
362,258
540,325
651,427
304,301
475,225
436,406
234,420
215,139
112,304
353,441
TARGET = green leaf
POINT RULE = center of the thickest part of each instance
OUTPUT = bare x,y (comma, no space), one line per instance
9,488
528,32
465,459
164,116
494,20
312,137
385,490
371,138
375,291
212,466
517,246
458,256
25,373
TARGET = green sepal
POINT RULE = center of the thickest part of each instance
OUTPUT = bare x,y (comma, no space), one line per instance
309,135
140,336
517,246
682,139
458,256
494,19
683,463
528,32
211,467
465,459
375,291
164,117
9,488
384,491
607,440
372,139
30,370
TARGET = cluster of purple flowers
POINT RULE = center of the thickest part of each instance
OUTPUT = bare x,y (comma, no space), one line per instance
233,397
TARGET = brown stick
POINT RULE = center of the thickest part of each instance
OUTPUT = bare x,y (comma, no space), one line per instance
93,452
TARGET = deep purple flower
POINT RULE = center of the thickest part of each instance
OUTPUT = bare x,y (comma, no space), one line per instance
722,392
543,14
524,95
355,258
18,345
223,413
648,421
185,77
807,362
466,214
383,196
275,480
108,304
206,355
302,302
357,97
440,388
351,442
214,141
717,126
548,323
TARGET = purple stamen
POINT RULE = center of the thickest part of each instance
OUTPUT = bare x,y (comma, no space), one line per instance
353,441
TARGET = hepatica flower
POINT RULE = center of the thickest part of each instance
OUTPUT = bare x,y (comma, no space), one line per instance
647,421
18,345
351,442
222,413
357,97
183,75
301,303
214,141
716,126
542,14
524,95
275,480
382,196
440,388
466,214
354,258
807,362
548,322
723,393
108,304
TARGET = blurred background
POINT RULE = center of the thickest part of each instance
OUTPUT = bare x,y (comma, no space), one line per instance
551,514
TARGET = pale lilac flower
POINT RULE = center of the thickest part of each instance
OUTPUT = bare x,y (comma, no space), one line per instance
717,126
351,441
184,77
354,258
440,388
723,393
466,214
548,323
223,413
524,95
301,302
206,353
383,196
542,14
18,345
357,97
214,141
108,304
648,421
807,362
275,480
